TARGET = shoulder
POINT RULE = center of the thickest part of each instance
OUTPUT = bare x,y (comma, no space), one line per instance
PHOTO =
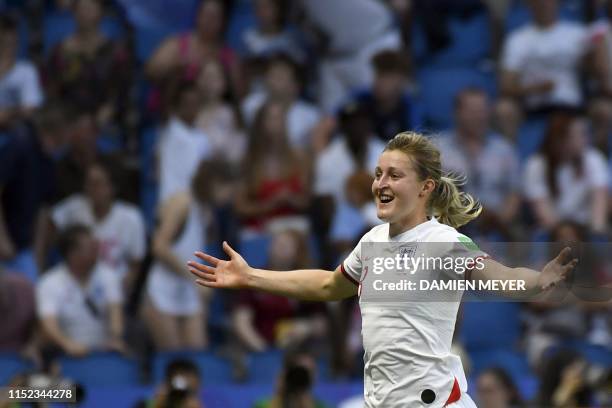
439,232
128,211
53,278
23,67
571,28
521,34
378,233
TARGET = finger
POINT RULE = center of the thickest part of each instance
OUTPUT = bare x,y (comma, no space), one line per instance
229,250
564,255
208,284
201,270
207,258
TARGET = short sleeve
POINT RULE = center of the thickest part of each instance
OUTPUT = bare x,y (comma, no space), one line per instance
111,284
534,178
31,92
352,266
597,169
513,53
60,213
48,296
136,248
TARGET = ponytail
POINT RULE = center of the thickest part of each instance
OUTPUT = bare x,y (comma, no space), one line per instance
452,206
447,202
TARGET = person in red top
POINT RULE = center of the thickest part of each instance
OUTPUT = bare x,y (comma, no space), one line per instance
276,187
261,319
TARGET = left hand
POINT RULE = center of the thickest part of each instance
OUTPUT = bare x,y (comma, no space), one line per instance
557,270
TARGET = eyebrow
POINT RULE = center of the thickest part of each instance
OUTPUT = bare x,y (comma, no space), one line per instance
391,168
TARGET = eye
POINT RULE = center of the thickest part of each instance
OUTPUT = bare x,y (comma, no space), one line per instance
395,176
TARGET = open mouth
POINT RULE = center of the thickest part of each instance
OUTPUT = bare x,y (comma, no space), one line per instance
385,198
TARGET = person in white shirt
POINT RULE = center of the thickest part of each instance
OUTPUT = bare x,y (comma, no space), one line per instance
175,310
117,225
182,145
353,31
541,61
408,360
20,89
568,178
282,84
79,300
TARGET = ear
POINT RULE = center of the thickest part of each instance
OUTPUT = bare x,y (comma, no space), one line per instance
427,188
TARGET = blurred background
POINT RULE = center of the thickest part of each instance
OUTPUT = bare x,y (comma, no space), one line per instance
134,132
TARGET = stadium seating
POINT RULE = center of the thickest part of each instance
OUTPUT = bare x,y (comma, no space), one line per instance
148,181
11,365
489,326
439,86
102,369
255,250
59,25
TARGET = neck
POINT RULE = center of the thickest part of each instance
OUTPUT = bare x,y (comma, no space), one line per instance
87,33
399,227
101,210
81,276
269,29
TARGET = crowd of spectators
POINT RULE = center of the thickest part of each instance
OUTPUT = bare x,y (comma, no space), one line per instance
267,129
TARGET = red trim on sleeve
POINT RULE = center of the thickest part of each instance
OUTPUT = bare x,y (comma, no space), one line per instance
455,394
347,276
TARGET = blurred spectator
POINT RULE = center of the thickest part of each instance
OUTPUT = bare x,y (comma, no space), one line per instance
181,387
117,225
350,32
275,192
82,136
219,116
19,314
541,61
496,389
564,381
295,383
89,70
391,106
357,214
355,149
79,301
567,179
176,310
488,162
601,33
270,36
507,119
282,85
20,90
263,320
182,56
182,145
27,184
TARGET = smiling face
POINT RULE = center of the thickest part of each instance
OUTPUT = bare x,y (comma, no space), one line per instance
400,195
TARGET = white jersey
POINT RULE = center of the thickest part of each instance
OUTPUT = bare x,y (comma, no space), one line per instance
82,312
171,293
121,234
407,343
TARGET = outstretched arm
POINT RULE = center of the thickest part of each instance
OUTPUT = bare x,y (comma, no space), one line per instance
536,282
305,284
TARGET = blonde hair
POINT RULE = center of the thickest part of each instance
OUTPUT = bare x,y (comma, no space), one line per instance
447,203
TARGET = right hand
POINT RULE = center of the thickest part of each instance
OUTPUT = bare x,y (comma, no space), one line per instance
232,274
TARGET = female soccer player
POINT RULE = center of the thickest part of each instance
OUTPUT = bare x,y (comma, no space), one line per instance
407,344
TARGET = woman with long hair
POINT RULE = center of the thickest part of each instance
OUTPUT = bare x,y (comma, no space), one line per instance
407,343
567,178
275,191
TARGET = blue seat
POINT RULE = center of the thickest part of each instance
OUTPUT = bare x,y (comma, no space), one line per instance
265,367
471,42
148,39
213,369
241,18
102,369
148,181
255,250
490,326
59,25
439,86
11,365
531,136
